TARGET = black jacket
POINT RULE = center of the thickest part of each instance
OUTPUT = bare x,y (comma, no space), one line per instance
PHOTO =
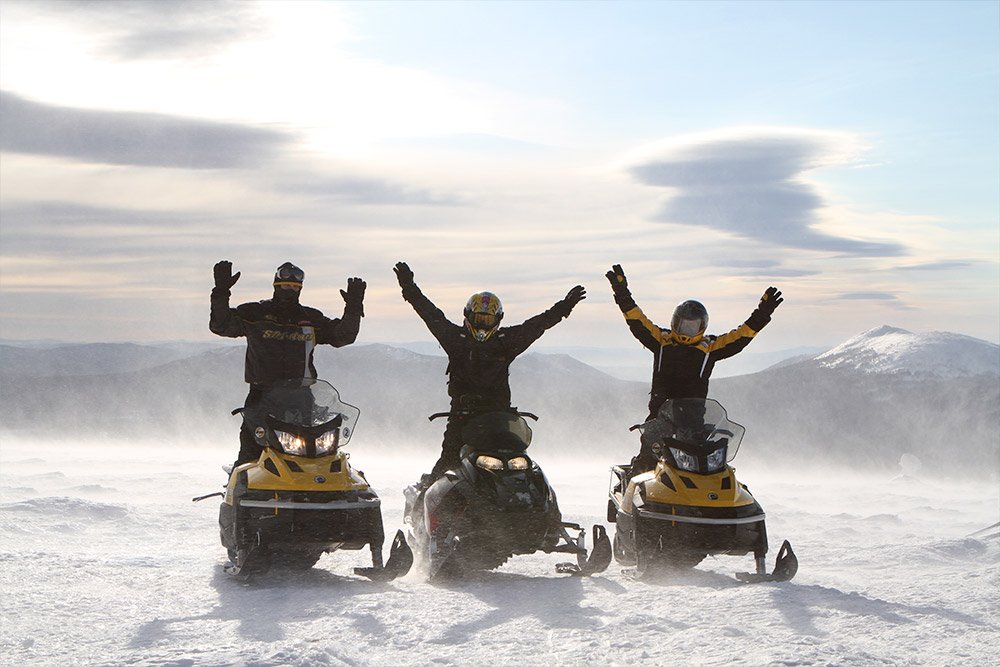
682,371
479,372
281,336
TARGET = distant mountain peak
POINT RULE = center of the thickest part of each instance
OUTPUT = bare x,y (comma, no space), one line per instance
888,350
883,330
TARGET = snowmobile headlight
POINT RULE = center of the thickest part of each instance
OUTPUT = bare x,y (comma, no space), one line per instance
292,444
327,443
684,460
717,459
518,463
489,463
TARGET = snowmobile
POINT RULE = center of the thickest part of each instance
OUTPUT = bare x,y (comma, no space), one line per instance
691,505
302,498
495,504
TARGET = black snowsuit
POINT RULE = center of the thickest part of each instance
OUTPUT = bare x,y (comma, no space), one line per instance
478,372
679,370
281,336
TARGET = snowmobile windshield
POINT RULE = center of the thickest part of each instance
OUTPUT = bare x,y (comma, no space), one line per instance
497,431
699,425
306,403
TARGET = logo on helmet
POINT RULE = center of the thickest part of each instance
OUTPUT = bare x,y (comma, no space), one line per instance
483,312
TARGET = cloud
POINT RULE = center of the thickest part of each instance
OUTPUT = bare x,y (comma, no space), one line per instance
360,189
750,183
129,138
868,296
952,265
761,268
154,29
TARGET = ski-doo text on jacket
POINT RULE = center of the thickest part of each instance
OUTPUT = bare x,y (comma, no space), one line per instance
281,335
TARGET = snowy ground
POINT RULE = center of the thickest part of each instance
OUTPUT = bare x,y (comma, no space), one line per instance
106,561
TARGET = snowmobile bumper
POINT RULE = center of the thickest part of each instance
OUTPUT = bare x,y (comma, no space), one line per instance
351,504
731,530
704,520
332,520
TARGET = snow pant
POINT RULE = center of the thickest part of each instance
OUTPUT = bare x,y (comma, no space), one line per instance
646,460
451,446
249,449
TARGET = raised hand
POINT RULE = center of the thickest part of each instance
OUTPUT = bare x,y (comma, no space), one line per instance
575,296
355,291
403,274
224,277
771,300
616,276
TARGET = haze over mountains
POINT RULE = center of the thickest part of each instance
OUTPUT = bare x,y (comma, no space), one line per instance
883,394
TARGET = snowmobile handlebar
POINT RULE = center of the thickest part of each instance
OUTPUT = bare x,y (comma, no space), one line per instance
469,413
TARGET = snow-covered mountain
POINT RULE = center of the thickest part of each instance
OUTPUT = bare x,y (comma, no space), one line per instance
881,395
887,350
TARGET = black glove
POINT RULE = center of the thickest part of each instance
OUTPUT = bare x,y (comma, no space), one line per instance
770,301
355,294
617,278
619,285
573,297
403,274
224,278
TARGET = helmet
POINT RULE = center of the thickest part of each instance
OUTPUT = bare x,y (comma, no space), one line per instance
483,313
689,322
288,275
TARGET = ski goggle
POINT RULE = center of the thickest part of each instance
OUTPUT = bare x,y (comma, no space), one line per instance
290,273
483,320
689,327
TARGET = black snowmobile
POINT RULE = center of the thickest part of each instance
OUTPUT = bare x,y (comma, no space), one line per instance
302,498
496,504
691,505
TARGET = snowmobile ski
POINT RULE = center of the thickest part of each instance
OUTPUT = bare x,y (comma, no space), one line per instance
785,567
596,562
399,563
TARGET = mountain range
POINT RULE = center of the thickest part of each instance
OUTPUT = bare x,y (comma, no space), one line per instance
865,403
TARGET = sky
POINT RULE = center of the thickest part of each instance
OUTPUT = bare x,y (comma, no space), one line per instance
847,153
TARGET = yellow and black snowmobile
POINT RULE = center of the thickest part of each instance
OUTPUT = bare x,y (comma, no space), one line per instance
302,498
690,505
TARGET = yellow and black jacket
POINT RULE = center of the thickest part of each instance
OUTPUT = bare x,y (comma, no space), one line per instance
281,335
679,370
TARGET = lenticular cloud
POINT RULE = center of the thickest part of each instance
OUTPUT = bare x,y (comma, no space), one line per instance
751,183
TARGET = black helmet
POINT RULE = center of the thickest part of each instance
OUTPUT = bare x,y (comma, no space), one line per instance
483,312
288,275
689,322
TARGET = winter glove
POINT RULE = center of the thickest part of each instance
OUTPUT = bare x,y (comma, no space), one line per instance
619,285
770,301
403,274
224,278
573,297
617,278
355,294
